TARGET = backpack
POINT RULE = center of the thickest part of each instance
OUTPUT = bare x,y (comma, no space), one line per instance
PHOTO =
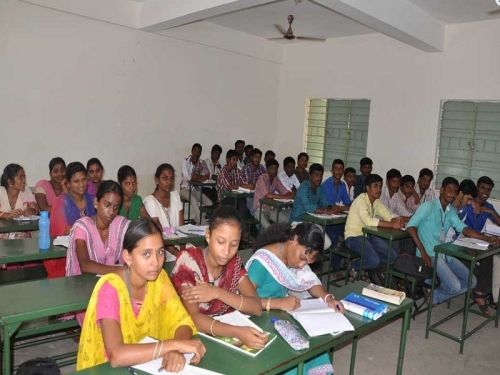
413,266
39,366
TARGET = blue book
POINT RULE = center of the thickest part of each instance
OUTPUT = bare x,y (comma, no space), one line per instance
368,303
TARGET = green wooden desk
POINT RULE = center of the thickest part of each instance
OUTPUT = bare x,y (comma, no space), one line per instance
178,241
279,357
472,257
24,302
26,250
200,185
388,234
235,195
275,204
9,225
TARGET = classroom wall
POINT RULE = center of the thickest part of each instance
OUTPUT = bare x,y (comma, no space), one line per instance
405,86
77,88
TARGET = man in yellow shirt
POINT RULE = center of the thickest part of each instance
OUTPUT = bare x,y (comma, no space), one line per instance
368,211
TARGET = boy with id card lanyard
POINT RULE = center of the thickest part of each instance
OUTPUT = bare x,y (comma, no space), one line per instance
428,228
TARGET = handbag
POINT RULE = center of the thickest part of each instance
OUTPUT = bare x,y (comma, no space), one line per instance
39,366
412,265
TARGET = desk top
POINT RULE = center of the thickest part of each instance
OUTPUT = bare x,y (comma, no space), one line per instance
387,233
237,195
208,183
194,239
324,221
26,250
275,203
9,225
465,253
278,357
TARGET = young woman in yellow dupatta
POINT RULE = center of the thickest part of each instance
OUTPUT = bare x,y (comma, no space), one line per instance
136,301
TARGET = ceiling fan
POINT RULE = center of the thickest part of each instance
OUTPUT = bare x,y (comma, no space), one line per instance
289,35
495,11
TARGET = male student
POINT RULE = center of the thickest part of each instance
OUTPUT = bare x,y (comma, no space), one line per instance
248,154
423,189
301,170
390,196
350,181
254,169
368,211
194,169
213,162
407,193
365,167
428,228
239,146
287,175
269,155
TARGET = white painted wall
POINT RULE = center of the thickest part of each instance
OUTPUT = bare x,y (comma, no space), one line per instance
77,88
405,86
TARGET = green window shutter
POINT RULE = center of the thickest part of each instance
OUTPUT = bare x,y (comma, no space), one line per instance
315,135
358,132
336,133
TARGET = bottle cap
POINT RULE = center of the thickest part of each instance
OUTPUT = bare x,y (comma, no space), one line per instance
44,213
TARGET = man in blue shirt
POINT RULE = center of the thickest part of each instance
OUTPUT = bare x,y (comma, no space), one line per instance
428,228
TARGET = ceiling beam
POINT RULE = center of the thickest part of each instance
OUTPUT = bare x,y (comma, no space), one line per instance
398,19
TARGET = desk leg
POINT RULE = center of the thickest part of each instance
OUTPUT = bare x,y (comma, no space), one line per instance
189,202
300,368
431,298
498,309
386,282
466,305
6,350
260,216
402,343
278,209
201,205
353,355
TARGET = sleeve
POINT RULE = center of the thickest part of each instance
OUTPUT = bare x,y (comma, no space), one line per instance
345,196
322,200
222,180
257,274
382,211
303,201
175,315
79,234
456,223
260,189
182,274
186,175
364,215
176,200
421,214
280,188
108,304
39,188
242,175
151,206
328,191
28,196
204,168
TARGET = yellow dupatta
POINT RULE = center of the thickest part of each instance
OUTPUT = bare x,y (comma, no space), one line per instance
161,314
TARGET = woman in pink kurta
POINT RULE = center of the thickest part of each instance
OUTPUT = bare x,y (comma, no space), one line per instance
46,191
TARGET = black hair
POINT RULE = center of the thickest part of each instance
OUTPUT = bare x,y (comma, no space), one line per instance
288,160
9,173
302,154
55,161
255,151
93,161
239,141
372,178
231,154
315,167
109,186
426,172
468,187
450,181
392,173
137,230
269,153
216,147
225,214
248,147
365,161
307,234
124,172
407,179
164,167
337,161
272,162
485,180
197,145
349,170
73,168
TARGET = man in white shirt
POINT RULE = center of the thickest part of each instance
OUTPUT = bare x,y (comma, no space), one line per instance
423,188
214,163
239,146
390,194
287,175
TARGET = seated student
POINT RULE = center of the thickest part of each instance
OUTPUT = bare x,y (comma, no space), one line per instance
287,175
269,155
390,196
467,193
301,170
368,211
350,181
254,169
164,206
136,301
428,227
269,186
407,193
239,146
248,154
46,192
423,189
131,206
365,167
213,162
335,189
212,281
15,198
280,266
194,169
95,171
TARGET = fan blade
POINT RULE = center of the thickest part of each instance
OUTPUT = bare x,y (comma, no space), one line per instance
494,11
279,38
311,39
280,29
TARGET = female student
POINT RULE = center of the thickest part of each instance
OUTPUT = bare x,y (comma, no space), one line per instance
164,205
131,206
95,171
136,301
213,282
46,192
15,199
68,208
280,266
95,243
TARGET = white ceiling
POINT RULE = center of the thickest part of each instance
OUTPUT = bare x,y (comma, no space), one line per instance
459,11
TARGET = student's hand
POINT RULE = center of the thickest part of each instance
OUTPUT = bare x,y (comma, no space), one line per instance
335,304
289,195
191,346
200,293
427,259
397,223
16,213
173,361
289,303
494,241
252,337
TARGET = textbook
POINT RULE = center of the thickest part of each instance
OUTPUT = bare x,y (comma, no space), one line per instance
242,190
384,294
471,243
364,306
491,228
317,318
327,216
236,318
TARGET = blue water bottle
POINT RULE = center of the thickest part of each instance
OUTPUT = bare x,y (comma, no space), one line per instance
44,231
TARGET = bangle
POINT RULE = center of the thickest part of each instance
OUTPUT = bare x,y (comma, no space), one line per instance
159,351
154,352
328,295
241,303
268,304
212,327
